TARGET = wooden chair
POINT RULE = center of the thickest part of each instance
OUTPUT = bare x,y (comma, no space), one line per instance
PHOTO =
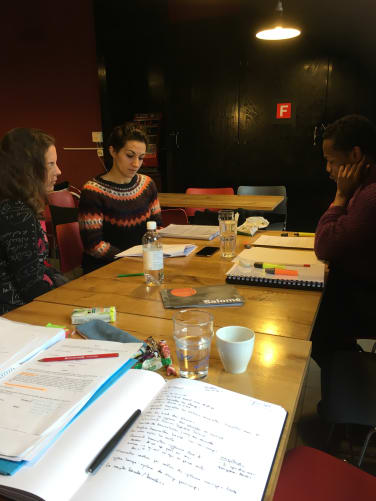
281,209
203,191
69,246
173,216
309,475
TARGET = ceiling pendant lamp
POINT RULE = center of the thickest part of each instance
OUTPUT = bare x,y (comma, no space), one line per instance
278,31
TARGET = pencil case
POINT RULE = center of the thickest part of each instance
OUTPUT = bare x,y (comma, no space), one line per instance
82,315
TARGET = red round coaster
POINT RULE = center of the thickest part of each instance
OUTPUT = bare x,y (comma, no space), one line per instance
187,291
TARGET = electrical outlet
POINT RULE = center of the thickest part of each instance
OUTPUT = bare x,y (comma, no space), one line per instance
97,137
100,152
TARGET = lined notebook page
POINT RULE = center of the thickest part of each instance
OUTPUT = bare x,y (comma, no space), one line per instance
293,242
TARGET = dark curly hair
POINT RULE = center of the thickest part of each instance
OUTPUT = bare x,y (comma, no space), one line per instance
126,132
350,131
22,166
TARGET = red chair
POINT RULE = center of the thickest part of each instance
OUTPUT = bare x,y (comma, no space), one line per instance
206,191
310,475
173,216
61,198
69,245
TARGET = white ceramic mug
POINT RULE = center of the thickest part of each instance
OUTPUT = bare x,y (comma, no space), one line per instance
235,347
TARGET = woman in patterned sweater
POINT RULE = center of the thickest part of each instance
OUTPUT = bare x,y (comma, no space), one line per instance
115,207
28,171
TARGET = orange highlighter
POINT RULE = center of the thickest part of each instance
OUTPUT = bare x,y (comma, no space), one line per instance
281,271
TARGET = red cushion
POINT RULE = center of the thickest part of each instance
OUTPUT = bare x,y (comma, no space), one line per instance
311,475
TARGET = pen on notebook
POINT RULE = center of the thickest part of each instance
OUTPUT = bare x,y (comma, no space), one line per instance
112,443
131,275
279,265
79,357
303,234
281,271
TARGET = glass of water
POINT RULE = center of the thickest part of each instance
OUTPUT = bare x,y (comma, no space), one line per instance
193,332
227,233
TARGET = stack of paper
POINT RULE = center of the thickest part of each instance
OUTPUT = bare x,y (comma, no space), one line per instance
190,231
39,400
20,342
168,250
294,242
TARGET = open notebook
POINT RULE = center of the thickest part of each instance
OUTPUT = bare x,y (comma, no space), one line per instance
193,440
309,270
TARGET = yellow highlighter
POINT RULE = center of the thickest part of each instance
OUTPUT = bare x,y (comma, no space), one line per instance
303,234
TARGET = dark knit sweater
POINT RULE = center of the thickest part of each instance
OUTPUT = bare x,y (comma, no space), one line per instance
346,236
24,272
113,217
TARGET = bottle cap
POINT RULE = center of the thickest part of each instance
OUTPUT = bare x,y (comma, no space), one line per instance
151,225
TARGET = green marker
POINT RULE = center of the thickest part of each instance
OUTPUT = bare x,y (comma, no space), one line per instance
131,275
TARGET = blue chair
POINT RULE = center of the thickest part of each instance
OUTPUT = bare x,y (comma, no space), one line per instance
280,210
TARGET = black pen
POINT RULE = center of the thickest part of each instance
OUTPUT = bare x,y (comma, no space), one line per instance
112,443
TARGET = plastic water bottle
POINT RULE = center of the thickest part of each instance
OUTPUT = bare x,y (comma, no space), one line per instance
152,255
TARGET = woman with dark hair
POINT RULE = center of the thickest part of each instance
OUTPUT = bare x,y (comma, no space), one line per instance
28,170
114,207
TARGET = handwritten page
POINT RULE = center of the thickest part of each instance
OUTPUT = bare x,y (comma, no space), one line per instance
294,242
194,439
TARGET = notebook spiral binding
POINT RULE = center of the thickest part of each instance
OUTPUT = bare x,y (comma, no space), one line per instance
270,282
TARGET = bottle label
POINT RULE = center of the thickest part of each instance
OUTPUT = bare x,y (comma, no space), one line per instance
153,259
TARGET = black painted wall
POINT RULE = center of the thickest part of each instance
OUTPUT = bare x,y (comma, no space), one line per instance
216,86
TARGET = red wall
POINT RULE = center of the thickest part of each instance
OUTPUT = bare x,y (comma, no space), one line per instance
48,78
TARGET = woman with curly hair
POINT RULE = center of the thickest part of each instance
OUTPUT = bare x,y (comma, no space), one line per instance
115,207
28,171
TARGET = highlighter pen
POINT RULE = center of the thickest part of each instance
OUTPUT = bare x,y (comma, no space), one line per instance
280,271
131,275
279,265
303,234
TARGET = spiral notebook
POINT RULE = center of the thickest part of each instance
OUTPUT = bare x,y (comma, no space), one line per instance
309,271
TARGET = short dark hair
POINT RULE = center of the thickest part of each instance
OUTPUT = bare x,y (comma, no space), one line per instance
350,131
22,167
126,132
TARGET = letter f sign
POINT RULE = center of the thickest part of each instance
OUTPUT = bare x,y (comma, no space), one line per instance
283,110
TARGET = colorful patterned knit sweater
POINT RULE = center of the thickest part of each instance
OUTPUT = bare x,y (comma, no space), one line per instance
24,271
113,217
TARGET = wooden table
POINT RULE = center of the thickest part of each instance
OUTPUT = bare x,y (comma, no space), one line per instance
282,312
275,373
251,202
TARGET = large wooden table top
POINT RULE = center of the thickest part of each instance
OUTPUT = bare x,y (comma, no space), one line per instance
251,202
282,312
275,373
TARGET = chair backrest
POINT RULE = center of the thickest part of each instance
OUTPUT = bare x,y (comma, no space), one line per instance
203,191
61,198
268,190
69,245
173,216
309,474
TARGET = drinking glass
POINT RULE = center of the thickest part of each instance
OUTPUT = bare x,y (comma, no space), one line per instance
193,332
227,233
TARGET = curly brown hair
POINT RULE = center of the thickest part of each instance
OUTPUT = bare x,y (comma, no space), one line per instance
126,132
22,166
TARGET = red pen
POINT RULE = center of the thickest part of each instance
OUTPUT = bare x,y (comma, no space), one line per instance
79,357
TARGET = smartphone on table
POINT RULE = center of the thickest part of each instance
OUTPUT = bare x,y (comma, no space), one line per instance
207,251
